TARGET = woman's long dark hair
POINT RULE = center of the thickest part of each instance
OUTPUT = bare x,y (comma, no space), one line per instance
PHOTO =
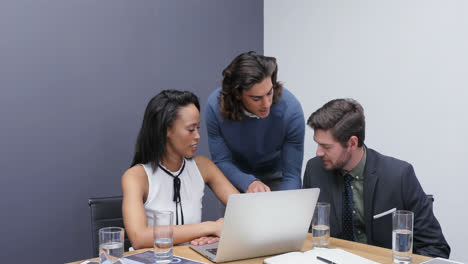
160,114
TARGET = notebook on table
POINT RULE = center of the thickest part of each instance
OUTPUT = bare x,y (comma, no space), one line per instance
261,224
440,261
334,255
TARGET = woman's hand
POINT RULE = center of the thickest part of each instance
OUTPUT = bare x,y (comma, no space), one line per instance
204,240
216,228
219,226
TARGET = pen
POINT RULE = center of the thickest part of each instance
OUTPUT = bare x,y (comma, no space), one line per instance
326,260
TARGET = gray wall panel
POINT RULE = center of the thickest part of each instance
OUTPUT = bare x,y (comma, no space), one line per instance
75,77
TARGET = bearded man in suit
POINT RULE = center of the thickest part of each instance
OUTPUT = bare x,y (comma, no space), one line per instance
359,183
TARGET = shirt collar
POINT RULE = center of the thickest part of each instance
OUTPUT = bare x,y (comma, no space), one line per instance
358,171
247,113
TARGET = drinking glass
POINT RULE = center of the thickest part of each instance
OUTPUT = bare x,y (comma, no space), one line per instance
321,225
111,245
163,236
402,236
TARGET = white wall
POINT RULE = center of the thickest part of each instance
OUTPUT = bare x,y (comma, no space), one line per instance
406,62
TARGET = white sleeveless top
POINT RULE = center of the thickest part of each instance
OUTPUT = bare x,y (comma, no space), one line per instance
161,191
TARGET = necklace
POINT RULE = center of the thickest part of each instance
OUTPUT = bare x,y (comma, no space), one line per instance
176,197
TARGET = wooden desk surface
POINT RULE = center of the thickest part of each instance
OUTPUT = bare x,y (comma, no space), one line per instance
378,254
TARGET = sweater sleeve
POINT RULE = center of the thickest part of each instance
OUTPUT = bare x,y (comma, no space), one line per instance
292,152
220,153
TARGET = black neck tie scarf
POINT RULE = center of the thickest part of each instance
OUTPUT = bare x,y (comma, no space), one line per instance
176,197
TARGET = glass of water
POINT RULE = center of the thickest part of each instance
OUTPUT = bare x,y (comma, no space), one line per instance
402,236
321,225
163,236
111,245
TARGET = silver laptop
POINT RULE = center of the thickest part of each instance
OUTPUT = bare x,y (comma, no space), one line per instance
261,224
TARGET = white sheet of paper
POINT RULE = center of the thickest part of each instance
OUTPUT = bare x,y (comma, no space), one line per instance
310,257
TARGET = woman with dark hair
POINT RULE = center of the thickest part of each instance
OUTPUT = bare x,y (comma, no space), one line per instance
165,174
256,127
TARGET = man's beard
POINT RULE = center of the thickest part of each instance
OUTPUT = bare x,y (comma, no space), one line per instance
341,162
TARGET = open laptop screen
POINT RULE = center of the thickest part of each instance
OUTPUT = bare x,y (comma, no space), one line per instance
260,224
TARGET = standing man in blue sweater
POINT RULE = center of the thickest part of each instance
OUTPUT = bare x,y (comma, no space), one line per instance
256,127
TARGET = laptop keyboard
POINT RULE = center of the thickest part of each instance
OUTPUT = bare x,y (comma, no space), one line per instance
212,250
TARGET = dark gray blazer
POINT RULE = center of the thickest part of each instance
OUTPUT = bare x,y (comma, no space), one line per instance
388,183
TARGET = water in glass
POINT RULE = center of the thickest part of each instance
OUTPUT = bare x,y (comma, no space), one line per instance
402,240
320,235
163,250
111,252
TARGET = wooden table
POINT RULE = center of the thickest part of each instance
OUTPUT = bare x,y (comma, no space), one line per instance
378,254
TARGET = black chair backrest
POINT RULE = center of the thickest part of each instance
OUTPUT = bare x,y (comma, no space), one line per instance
430,197
105,212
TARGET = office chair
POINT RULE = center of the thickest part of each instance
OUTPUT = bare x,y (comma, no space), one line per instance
430,197
105,212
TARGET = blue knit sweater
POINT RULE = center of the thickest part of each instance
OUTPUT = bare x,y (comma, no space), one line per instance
243,148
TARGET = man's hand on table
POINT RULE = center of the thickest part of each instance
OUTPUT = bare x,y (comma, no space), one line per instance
257,186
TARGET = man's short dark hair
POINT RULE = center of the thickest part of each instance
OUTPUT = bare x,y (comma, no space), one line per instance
344,117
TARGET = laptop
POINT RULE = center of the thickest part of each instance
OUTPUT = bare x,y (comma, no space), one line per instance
261,224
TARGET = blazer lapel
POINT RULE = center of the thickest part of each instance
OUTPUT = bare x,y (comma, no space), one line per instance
370,180
336,189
